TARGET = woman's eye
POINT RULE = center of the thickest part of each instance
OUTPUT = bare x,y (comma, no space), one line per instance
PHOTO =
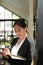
18,30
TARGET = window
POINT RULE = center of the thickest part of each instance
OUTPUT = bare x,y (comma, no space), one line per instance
1,12
6,28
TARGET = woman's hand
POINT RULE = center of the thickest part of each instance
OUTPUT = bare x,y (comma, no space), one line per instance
5,53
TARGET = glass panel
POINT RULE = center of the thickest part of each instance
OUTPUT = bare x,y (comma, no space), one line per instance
1,30
15,16
8,29
1,12
15,35
8,14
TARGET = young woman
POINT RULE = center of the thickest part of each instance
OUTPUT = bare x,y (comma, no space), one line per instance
20,45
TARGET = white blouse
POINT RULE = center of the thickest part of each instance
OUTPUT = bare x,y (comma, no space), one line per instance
16,48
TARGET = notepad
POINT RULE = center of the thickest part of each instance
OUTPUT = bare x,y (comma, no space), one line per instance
16,56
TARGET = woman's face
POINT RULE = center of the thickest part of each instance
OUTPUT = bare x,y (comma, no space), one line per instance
20,31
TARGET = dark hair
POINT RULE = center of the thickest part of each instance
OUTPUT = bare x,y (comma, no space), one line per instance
20,22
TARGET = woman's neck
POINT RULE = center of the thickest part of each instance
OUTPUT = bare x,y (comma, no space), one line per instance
21,39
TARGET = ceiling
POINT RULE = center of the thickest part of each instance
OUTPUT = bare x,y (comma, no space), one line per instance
24,4
20,7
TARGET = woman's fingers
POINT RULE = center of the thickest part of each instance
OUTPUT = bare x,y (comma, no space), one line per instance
6,51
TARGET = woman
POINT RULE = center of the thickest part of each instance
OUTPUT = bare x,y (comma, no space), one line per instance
20,45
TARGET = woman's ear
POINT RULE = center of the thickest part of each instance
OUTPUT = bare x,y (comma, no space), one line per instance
26,29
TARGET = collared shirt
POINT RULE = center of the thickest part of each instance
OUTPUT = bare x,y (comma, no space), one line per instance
17,47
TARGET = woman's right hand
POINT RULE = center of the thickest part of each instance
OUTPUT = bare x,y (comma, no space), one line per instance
5,53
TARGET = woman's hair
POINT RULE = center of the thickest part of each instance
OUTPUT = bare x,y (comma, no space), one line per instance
20,22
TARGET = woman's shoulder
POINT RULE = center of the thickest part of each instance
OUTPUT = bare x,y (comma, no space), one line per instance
26,40
14,41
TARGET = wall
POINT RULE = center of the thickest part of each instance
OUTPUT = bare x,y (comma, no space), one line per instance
39,44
